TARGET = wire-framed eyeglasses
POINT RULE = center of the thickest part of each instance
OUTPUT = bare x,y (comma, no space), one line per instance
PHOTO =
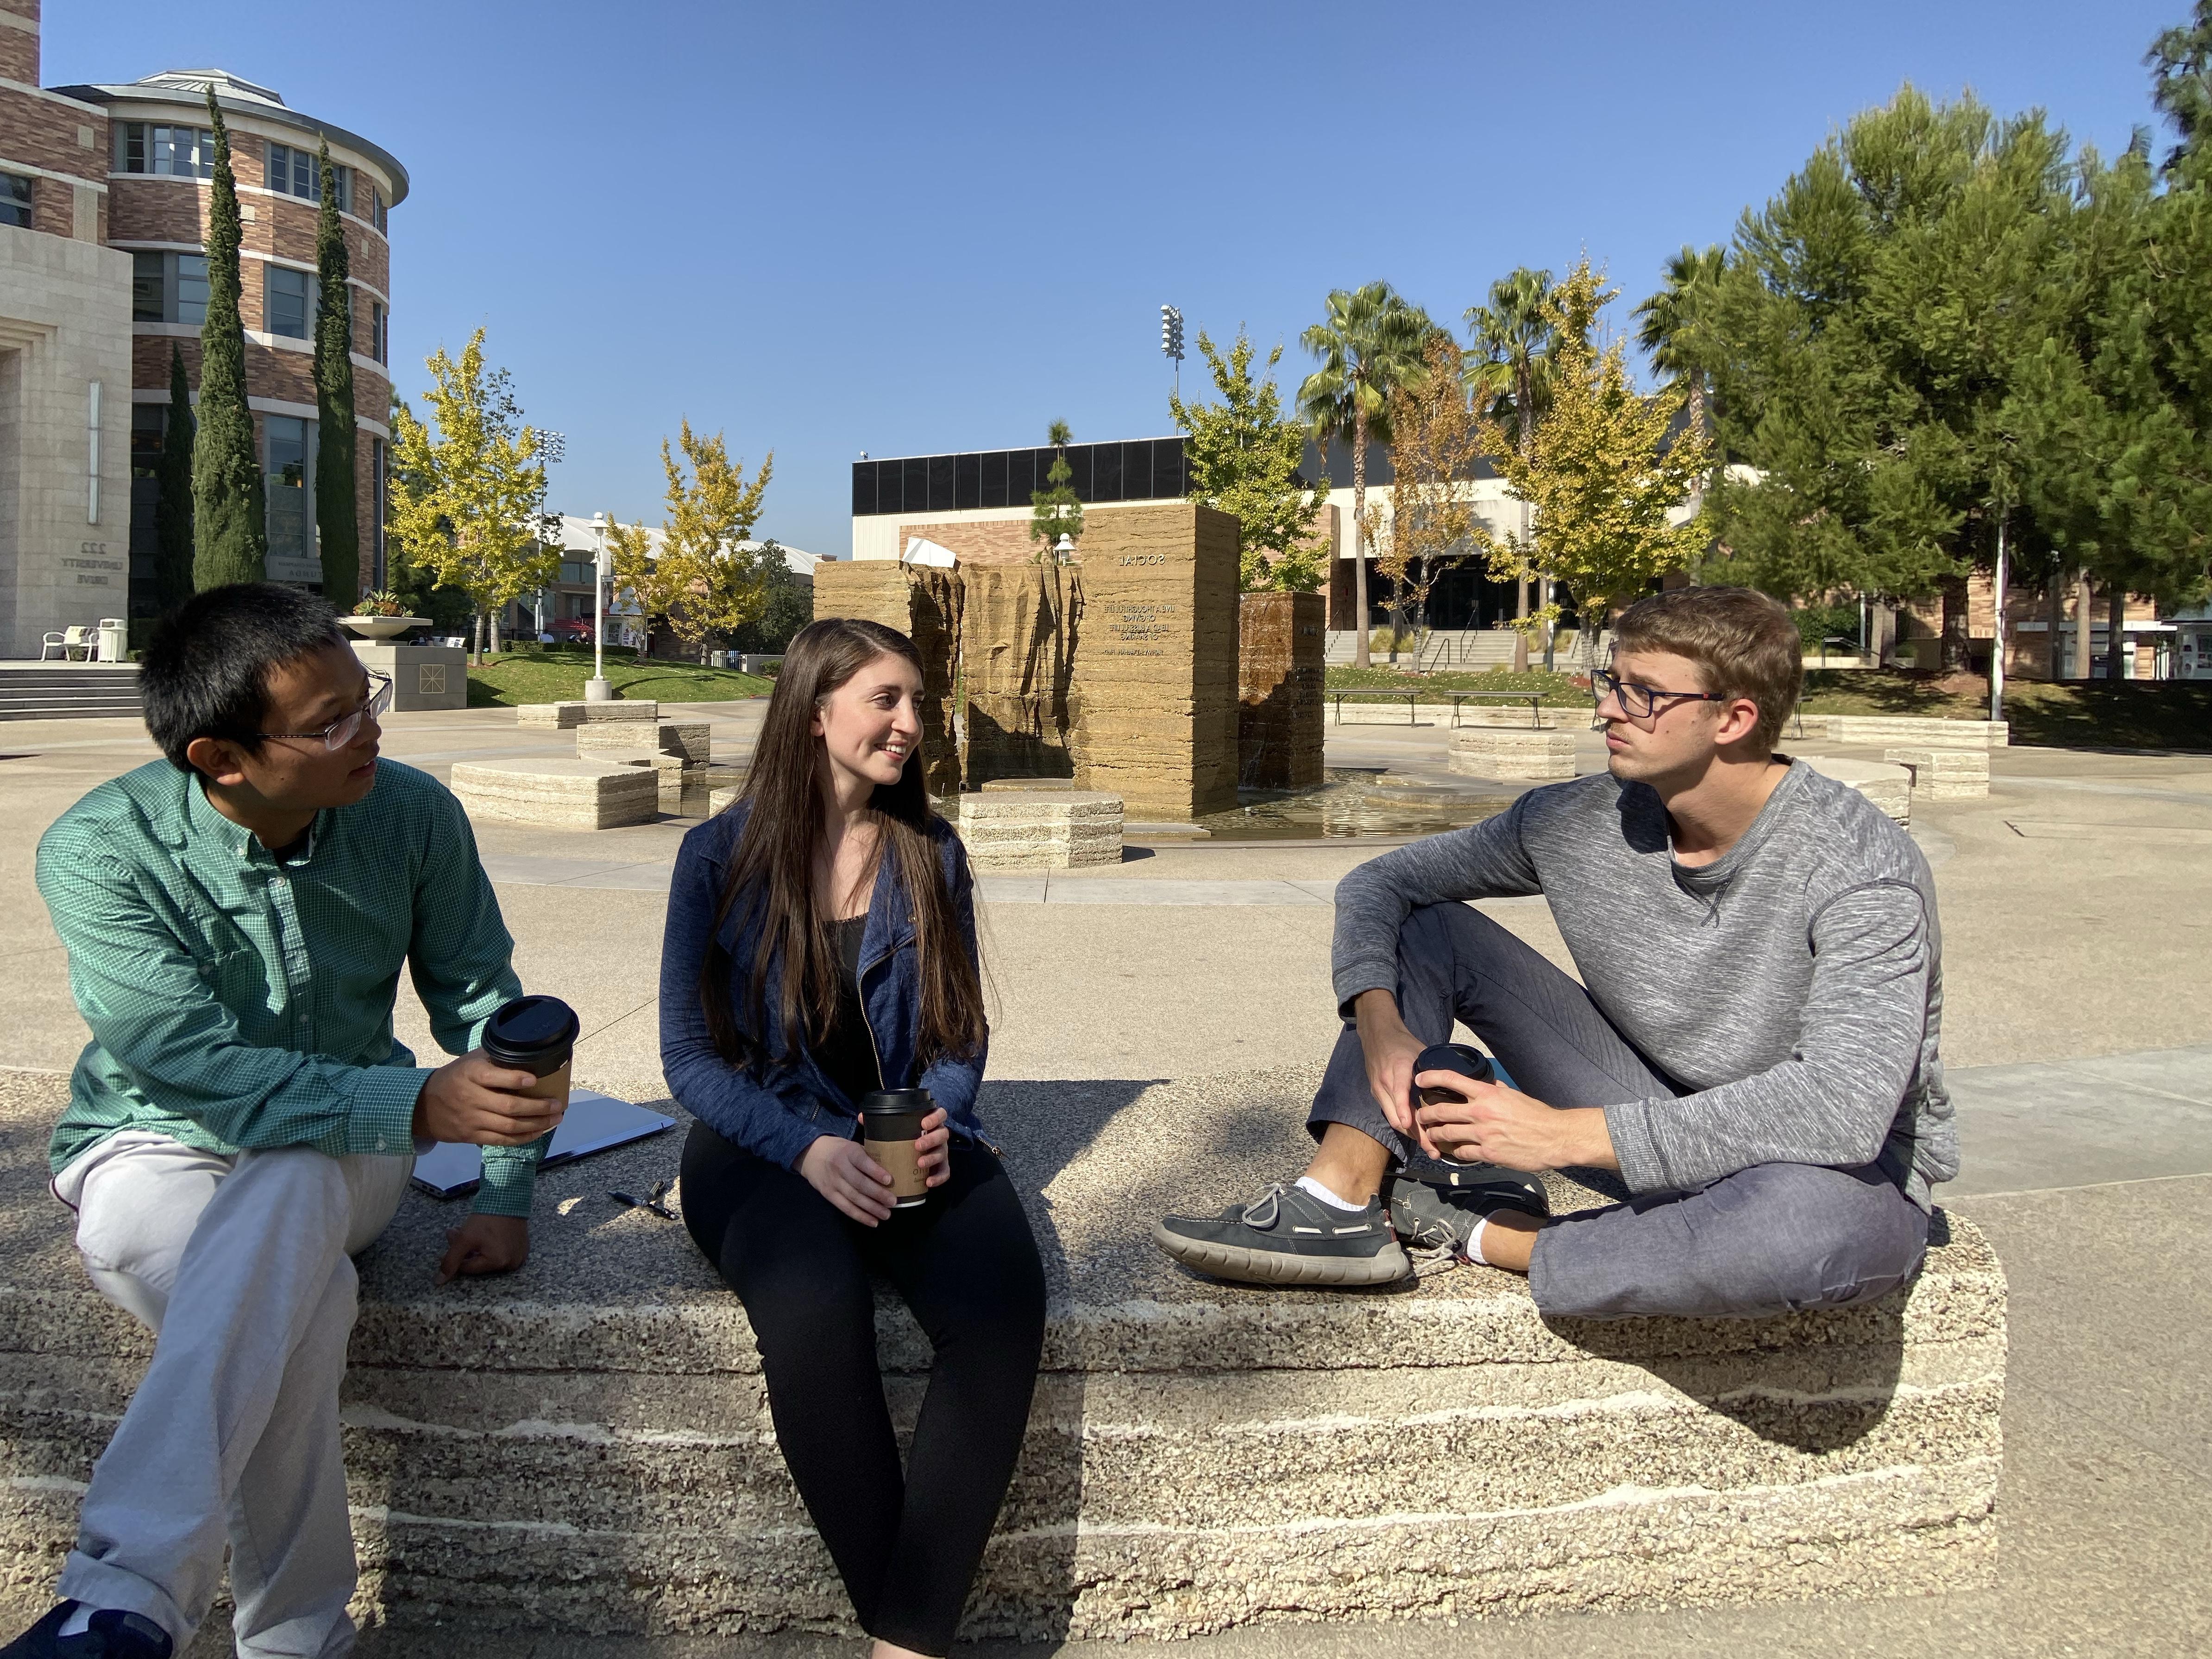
1637,702
340,731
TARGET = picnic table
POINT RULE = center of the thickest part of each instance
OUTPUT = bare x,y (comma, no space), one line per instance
1534,698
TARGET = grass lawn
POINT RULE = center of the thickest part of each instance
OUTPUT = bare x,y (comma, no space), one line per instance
558,675
1556,689
2070,715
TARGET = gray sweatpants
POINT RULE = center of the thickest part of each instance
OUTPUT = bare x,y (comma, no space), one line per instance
1771,1239
240,1265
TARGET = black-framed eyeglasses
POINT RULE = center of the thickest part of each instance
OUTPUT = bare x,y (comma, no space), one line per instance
1637,702
340,731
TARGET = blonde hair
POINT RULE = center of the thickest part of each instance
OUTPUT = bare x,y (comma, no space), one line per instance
1742,641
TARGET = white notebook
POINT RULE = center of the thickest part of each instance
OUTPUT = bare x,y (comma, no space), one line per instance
593,1123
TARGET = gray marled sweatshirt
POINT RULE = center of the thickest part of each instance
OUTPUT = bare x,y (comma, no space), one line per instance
1794,987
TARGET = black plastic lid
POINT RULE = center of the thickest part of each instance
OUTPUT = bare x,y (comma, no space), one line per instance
887,1101
531,1028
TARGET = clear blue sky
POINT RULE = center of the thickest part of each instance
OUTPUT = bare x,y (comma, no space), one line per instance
826,229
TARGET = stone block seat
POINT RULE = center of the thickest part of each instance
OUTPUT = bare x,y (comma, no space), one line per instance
1915,729
1944,774
690,742
584,1447
567,716
1504,752
1889,788
1041,829
560,793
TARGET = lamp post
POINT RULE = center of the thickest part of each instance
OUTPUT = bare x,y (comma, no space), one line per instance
596,689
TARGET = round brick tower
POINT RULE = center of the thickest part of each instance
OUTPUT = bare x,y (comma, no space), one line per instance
160,160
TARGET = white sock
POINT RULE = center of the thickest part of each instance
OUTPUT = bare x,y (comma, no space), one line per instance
1308,1184
78,1622
1474,1243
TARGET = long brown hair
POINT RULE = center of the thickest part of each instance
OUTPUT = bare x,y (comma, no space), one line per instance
772,870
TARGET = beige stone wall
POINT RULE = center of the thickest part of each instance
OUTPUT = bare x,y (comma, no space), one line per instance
1152,697
1004,541
1279,673
65,323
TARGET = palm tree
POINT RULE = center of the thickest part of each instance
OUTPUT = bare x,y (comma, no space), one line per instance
1368,345
1667,319
1513,337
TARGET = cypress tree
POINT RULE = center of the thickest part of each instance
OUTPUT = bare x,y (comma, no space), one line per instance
230,530
337,521
173,513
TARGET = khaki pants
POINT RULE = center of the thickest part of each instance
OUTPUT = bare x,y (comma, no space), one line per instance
240,1264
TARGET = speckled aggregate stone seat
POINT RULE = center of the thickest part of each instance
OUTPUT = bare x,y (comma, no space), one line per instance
584,1447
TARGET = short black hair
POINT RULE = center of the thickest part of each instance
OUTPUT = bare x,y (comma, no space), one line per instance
206,673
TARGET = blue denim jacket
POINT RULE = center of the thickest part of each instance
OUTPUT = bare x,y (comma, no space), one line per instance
778,1111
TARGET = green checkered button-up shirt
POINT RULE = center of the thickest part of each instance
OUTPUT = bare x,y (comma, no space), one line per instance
238,1001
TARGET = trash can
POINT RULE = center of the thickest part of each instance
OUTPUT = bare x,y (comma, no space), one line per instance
114,641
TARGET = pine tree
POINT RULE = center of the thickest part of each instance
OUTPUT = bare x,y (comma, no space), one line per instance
1056,510
337,519
1243,459
172,510
230,530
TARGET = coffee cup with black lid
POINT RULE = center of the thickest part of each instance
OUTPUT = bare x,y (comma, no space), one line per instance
890,1123
537,1035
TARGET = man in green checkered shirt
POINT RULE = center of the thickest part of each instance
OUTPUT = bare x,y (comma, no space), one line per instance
242,1121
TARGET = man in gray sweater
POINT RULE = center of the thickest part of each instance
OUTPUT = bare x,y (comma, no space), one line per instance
1752,1045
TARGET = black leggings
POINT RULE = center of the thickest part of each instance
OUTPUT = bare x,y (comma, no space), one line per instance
966,1263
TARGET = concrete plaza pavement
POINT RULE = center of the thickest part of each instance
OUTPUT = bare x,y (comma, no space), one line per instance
2077,1019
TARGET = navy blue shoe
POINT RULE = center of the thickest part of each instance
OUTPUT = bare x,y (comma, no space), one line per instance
113,1635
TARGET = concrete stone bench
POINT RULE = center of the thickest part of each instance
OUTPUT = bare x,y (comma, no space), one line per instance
689,741
568,794
1488,714
1944,774
1911,729
1489,752
584,1447
1889,788
567,716
669,771
1041,829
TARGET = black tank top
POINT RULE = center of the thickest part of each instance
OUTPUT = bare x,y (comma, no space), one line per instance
848,1055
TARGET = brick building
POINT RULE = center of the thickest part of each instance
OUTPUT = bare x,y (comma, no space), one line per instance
104,193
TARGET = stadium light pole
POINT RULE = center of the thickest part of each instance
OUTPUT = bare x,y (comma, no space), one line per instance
1171,342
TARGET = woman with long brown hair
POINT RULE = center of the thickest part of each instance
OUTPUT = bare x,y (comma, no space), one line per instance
821,945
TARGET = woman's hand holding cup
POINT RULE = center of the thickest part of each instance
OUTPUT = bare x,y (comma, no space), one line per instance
932,1149
854,1183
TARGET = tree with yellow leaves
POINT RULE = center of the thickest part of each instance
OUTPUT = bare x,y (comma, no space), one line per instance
469,502
703,582
1432,523
1601,471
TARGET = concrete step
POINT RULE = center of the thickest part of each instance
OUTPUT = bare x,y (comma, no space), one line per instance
585,1447
30,692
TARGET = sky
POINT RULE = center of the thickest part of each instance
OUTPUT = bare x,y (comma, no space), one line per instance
824,228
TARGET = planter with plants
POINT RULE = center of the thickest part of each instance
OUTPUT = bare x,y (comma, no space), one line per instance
381,616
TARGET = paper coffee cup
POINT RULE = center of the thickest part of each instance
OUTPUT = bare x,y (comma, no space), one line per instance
890,1123
536,1034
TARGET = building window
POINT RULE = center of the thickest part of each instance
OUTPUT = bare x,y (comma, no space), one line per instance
149,424
383,224
380,341
579,571
183,152
14,200
287,305
168,287
376,511
287,474
298,172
